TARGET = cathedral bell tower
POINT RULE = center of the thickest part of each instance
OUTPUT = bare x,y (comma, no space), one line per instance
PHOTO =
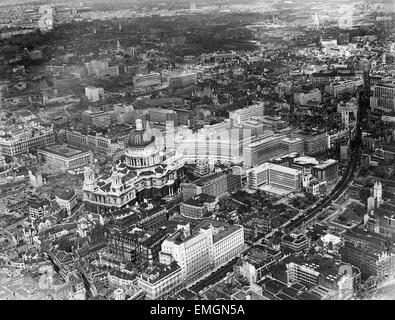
116,183
89,179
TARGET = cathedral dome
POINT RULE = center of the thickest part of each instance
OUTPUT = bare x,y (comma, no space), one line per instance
140,137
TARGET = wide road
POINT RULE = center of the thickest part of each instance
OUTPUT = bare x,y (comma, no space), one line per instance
214,277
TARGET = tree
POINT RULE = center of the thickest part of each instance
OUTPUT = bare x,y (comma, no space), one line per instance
84,103
380,172
128,97
65,244
98,232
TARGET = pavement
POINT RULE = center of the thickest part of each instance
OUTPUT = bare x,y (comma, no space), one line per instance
386,291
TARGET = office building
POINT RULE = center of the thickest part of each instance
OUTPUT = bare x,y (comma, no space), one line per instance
124,113
96,118
110,71
336,88
94,142
40,208
207,246
384,217
183,114
295,242
66,82
64,157
46,20
292,145
94,94
383,99
100,68
198,206
202,168
163,116
67,199
271,123
21,140
330,279
378,192
326,76
114,140
159,279
257,262
371,252
182,80
273,175
315,187
326,171
216,184
304,164
264,148
136,245
147,80
313,142
303,97
255,125
240,115
213,143
347,108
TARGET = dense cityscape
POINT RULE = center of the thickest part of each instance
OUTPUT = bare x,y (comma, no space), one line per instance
197,150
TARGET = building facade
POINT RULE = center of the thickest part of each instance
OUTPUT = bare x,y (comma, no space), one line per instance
217,184
383,99
326,171
159,280
263,149
21,140
270,174
63,157
198,251
146,80
198,206
238,116
183,80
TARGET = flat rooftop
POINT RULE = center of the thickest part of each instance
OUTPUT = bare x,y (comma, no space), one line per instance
157,272
208,179
263,140
306,160
326,164
63,150
276,167
224,229
368,236
387,85
292,140
260,255
250,295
